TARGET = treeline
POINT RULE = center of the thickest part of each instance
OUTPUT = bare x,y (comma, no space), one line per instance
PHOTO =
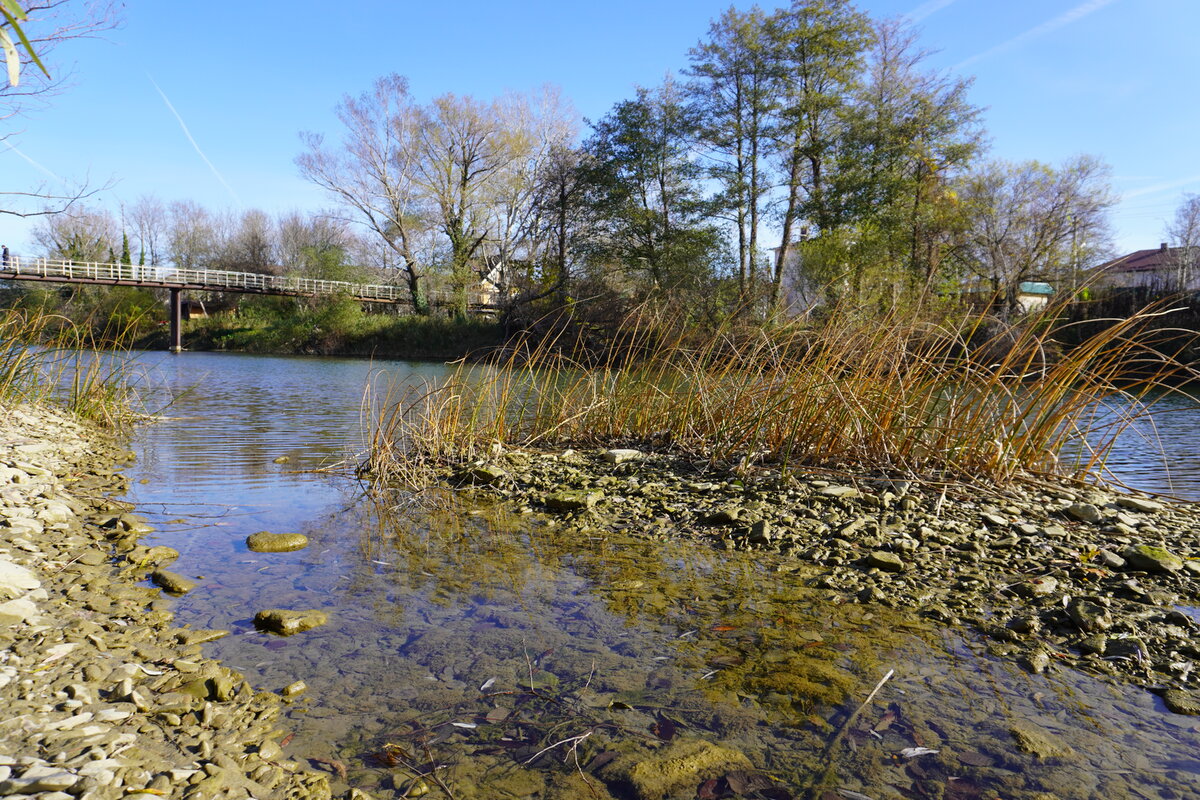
802,155
812,126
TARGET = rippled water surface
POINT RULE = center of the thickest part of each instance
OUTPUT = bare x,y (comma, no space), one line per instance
475,654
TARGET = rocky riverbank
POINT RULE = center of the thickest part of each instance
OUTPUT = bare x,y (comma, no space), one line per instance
102,697
1047,575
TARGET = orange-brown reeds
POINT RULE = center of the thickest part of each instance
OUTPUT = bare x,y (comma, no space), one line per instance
966,396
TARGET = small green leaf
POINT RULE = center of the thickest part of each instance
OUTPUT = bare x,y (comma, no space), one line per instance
10,55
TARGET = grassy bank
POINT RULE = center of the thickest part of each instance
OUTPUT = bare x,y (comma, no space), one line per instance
961,397
334,328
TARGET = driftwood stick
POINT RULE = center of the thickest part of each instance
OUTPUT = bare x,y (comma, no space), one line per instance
827,773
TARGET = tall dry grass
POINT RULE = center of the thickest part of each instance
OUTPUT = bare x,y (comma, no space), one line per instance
965,396
46,359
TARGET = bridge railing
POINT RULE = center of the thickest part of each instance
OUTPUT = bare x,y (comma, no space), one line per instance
199,278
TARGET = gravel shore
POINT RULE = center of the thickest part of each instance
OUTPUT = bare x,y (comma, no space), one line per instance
102,696
1050,575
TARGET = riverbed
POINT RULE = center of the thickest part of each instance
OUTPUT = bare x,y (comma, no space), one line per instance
477,653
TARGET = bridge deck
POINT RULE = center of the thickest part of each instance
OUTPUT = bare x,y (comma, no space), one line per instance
59,271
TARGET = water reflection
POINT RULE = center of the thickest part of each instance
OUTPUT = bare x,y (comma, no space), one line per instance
547,643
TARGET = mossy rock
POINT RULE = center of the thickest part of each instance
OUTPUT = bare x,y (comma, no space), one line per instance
679,767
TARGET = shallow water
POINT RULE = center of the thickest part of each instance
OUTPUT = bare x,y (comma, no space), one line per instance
585,645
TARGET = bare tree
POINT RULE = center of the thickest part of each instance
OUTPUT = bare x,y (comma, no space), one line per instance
151,227
1029,221
1183,234
49,23
536,132
195,235
373,177
301,236
80,235
249,245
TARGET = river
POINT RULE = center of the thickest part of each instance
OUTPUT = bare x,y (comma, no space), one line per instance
495,651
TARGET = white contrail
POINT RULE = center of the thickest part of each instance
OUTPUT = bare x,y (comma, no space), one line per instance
1074,15
33,163
195,146
1161,187
925,9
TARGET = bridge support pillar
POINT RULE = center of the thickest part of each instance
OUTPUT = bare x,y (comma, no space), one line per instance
176,312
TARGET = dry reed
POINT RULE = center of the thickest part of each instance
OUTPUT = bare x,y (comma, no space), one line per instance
965,397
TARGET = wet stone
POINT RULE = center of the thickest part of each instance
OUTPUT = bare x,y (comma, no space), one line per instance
1181,702
288,623
266,542
572,500
1038,742
172,582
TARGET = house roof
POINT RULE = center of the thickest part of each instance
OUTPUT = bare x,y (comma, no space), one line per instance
1141,260
1035,287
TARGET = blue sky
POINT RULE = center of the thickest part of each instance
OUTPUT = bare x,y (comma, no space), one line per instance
1113,78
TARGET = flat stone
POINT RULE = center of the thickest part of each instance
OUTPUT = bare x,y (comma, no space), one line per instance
199,636
1139,504
172,582
484,475
1148,558
1181,702
287,623
621,456
1037,742
39,779
677,768
17,611
266,542
1041,586
1088,615
847,492
15,580
1083,512
572,499
888,562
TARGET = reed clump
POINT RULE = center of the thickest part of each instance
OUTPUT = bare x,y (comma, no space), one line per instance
45,359
965,396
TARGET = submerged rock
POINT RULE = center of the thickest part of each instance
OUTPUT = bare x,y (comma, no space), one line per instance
1038,742
287,623
679,767
172,582
267,542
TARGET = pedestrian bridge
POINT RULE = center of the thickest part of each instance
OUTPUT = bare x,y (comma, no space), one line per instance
209,280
